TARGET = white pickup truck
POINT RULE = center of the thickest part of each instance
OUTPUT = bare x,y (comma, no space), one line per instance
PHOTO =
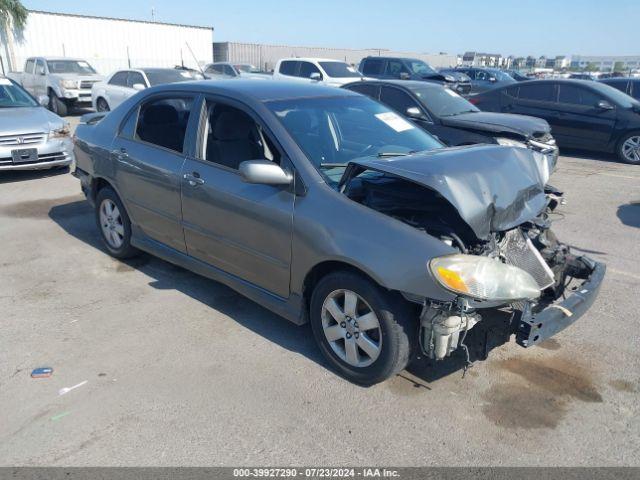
66,81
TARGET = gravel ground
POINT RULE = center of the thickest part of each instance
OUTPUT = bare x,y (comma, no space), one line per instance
180,370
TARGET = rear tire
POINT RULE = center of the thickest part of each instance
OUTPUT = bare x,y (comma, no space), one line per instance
368,341
629,148
114,224
56,105
102,105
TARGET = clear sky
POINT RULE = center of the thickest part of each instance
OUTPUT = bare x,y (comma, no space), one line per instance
518,27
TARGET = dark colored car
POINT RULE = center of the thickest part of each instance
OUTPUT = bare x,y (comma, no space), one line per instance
454,120
585,115
581,76
483,79
628,85
517,76
387,68
327,207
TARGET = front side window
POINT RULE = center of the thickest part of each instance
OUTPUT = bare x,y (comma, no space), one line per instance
70,66
119,79
217,69
28,67
482,76
395,68
339,69
397,99
373,66
288,67
542,92
307,69
332,131
40,68
577,96
232,137
163,122
134,78
14,96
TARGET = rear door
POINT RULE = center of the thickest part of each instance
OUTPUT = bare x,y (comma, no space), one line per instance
27,75
116,89
580,122
148,154
373,67
241,228
40,78
538,99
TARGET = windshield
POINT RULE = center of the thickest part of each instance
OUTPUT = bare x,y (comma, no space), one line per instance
421,68
336,130
247,68
11,95
339,69
442,102
69,66
158,77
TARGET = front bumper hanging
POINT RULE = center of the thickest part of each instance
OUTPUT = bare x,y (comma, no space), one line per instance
537,327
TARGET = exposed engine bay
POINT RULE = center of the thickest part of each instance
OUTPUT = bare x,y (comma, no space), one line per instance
530,246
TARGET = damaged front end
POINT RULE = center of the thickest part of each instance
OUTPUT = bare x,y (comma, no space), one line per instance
492,205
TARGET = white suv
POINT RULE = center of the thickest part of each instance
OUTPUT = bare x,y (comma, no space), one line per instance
316,70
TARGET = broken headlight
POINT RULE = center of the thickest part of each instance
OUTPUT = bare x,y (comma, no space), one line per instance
483,278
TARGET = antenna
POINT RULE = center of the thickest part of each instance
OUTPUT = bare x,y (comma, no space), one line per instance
153,14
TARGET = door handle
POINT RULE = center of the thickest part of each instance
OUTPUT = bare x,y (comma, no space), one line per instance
193,179
120,153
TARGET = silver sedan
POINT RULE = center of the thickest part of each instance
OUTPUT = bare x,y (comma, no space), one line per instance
31,137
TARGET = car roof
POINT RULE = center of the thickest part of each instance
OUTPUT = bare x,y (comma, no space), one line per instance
311,59
71,59
406,84
624,79
411,59
258,91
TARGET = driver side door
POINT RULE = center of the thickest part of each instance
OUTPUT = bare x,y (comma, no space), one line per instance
242,229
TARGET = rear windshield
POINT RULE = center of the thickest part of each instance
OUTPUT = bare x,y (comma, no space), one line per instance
69,66
158,77
339,69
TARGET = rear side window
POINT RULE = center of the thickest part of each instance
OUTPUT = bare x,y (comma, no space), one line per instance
542,92
307,68
373,66
119,79
163,122
578,96
368,90
288,67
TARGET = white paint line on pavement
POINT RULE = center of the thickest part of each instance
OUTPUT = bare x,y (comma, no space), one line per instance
65,390
619,176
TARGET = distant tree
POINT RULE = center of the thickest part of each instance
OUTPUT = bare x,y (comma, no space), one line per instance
591,67
13,18
619,67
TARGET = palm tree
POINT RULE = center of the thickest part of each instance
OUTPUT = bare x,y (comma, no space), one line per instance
13,15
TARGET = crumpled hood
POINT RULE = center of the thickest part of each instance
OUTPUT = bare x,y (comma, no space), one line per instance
499,123
493,188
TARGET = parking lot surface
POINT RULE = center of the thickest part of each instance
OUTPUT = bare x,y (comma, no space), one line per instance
181,370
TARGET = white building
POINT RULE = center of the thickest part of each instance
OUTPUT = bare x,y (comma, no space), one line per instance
106,43
606,63
266,56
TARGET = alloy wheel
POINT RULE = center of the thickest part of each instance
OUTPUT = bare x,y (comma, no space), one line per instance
351,328
111,224
631,149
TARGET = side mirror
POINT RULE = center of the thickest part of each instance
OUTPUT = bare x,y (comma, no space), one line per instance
414,112
43,100
604,105
264,172
404,76
139,86
41,73
315,76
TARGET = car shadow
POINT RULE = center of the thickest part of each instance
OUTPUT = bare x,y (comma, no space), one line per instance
77,219
590,155
11,176
629,214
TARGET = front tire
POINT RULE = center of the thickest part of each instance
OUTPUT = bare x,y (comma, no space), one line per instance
56,105
366,333
629,148
114,224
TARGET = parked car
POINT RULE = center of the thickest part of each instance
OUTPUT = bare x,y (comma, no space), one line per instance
315,70
483,79
517,75
628,85
585,115
219,70
412,69
31,137
122,84
455,121
66,81
581,76
326,206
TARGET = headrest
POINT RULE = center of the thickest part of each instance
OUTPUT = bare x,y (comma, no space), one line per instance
160,114
232,125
